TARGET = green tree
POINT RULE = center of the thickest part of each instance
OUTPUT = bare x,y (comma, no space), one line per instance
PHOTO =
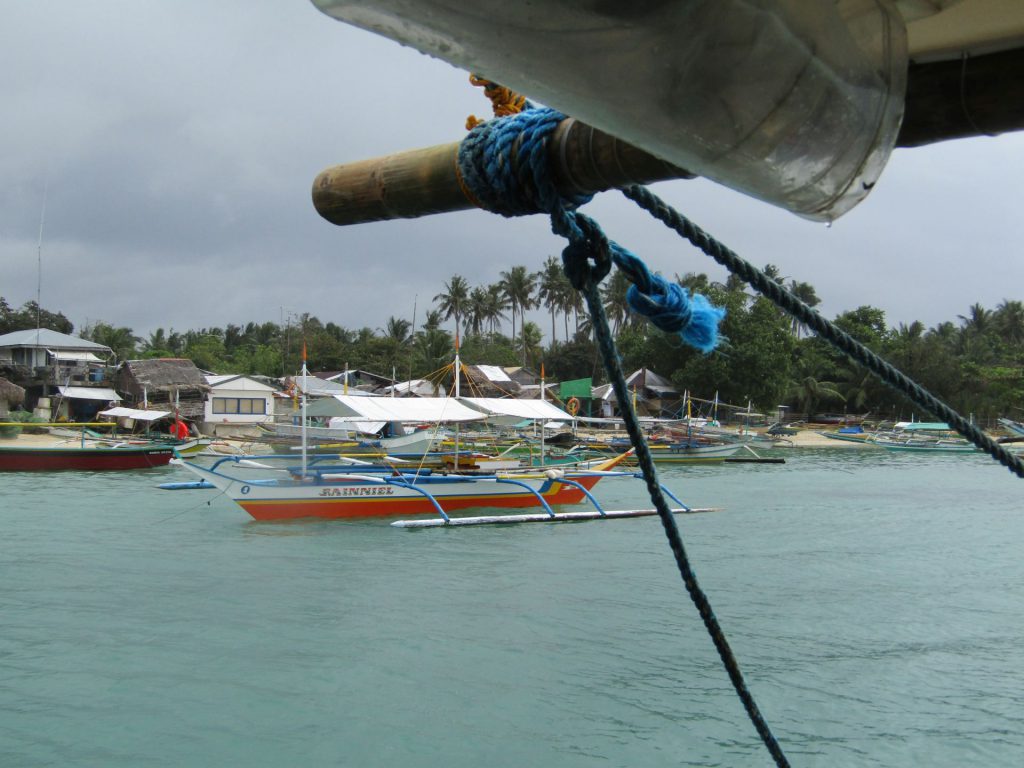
529,344
809,393
518,285
613,297
121,340
454,299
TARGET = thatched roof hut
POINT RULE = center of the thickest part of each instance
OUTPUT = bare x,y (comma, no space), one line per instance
162,382
10,394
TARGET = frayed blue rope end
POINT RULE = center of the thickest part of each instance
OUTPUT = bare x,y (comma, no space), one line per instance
671,308
702,331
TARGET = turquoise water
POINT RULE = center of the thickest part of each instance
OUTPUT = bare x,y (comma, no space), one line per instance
875,602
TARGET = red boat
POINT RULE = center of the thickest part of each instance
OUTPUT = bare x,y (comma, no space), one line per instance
47,458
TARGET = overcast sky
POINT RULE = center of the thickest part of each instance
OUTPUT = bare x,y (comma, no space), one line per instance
177,143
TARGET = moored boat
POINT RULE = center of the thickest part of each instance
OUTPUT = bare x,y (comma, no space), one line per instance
47,458
333,491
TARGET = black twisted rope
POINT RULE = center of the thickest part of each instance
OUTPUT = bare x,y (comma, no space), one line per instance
519,183
825,329
585,277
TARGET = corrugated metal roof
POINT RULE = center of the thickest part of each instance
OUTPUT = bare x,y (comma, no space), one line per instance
44,337
90,393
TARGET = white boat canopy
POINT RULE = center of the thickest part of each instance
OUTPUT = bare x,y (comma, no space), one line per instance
434,409
506,410
431,410
132,413
90,393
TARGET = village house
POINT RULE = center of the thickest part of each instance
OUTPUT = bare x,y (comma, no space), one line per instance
169,384
236,405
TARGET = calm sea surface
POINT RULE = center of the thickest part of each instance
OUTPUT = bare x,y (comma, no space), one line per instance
875,602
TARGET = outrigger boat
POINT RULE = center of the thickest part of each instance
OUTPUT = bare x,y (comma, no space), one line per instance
332,491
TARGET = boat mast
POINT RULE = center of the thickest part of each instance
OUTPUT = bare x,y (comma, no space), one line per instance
302,412
458,368
542,411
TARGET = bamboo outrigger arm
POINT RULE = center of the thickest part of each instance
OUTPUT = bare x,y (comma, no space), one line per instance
420,182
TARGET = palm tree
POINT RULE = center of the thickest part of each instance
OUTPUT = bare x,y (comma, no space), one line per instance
518,285
552,288
694,282
978,321
494,307
453,300
433,349
1009,319
433,320
613,296
529,344
476,310
804,292
808,392
156,343
397,330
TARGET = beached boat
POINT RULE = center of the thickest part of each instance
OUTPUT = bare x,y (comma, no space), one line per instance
1015,428
694,451
335,491
925,444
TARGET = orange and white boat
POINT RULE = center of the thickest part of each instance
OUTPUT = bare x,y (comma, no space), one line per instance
333,491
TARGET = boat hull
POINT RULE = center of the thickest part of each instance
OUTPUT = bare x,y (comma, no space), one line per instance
89,459
394,501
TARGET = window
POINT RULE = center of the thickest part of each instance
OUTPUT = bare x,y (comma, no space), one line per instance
241,405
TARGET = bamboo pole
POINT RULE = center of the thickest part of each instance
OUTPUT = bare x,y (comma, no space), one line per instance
421,182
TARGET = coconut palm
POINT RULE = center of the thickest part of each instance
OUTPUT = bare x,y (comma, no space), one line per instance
808,392
804,292
978,321
1009,319
613,296
529,344
495,305
476,310
552,288
453,300
433,320
518,285
397,330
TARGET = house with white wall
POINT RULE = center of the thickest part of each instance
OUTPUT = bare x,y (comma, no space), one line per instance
236,404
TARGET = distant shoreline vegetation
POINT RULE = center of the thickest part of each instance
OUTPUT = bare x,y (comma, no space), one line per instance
975,363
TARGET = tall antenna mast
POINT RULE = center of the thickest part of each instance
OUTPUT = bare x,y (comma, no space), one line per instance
39,259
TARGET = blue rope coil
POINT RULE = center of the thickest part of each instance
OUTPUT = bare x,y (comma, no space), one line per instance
504,166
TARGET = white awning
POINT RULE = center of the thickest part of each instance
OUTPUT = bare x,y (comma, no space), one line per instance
78,357
518,409
430,410
131,413
90,393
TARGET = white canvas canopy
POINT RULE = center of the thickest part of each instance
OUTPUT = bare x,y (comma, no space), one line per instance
132,413
434,410
431,410
507,410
